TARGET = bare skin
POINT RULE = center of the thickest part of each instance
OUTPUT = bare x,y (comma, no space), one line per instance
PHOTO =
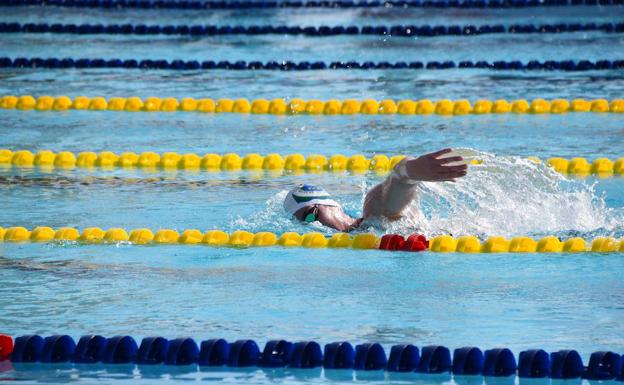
332,216
390,198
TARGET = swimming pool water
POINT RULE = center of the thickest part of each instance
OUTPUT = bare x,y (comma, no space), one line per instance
518,301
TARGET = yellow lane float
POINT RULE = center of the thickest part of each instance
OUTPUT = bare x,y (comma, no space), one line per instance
312,107
241,238
358,163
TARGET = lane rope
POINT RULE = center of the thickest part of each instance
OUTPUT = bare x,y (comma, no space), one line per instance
244,239
245,4
433,359
297,106
296,163
351,30
185,65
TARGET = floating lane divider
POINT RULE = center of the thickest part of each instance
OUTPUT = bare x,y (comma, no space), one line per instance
395,30
515,65
341,355
298,106
295,163
246,4
392,242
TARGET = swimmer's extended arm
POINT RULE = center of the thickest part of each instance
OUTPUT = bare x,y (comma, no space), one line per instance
390,198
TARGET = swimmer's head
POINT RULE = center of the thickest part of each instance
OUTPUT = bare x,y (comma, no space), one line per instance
304,197
310,203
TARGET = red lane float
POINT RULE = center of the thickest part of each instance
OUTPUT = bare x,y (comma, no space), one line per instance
6,347
415,242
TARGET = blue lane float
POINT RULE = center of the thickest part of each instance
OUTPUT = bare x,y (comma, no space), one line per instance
243,353
153,351
499,363
120,350
89,350
214,352
370,357
306,355
339,355
534,363
403,358
435,359
466,361
605,366
27,349
351,30
59,348
182,351
190,65
268,4
276,354
566,364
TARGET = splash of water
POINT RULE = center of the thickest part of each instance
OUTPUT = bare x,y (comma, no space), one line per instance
507,196
512,196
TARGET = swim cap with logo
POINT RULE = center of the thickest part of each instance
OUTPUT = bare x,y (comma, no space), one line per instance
306,195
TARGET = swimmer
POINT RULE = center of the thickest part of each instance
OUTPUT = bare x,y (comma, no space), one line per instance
388,199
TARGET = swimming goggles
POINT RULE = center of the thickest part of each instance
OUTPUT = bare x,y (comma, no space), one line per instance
311,214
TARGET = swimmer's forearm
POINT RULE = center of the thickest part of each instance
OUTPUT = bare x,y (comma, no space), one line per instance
390,198
393,196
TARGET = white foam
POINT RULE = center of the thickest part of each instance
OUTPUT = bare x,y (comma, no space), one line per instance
512,196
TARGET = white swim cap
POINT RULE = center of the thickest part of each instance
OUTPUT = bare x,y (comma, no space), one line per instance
305,195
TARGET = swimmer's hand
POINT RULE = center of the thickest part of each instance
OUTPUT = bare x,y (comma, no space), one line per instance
432,167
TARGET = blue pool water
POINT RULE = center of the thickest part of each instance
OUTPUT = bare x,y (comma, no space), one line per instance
517,301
